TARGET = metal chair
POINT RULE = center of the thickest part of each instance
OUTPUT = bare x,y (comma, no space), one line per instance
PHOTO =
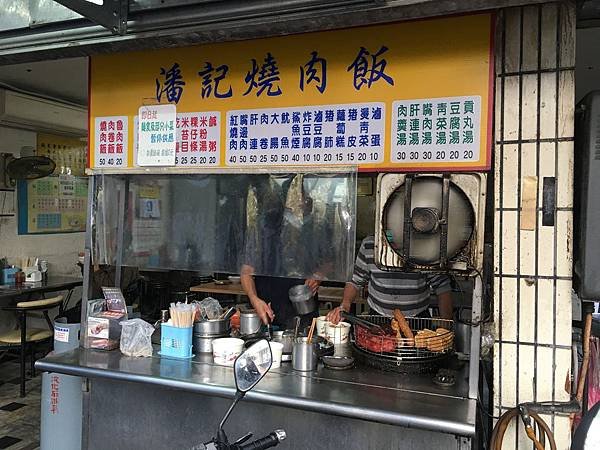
24,337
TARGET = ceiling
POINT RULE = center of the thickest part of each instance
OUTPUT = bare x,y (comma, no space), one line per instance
62,79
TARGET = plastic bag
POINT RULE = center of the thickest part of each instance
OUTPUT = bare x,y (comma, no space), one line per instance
136,338
210,308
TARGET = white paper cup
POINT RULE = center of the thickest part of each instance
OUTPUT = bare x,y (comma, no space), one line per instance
226,350
276,351
338,334
322,326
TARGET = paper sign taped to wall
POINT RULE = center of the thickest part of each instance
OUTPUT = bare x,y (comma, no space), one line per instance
529,203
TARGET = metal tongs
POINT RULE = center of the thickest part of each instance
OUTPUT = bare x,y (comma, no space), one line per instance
372,327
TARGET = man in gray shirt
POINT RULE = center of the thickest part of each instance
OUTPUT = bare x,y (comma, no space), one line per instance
388,290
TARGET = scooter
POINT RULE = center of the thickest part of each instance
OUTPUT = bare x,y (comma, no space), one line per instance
249,368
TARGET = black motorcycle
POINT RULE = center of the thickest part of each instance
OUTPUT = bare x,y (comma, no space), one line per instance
249,368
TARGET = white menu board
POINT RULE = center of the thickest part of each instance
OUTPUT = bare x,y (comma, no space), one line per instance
307,135
156,135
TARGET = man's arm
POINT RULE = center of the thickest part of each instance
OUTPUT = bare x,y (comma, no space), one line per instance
441,285
261,307
445,305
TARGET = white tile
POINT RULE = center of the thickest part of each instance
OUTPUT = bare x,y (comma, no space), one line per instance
498,106
527,254
508,379
528,159
563,312
527,311
497,372
508,319
564,179
566,104
497,252
563,373
497,166
549,24
548,106
530,38
512,39
545,371
567,34
511,108
545,322
547,154
526,373
509,242
564,243
545,253
496,302
529,106
562,433
510,176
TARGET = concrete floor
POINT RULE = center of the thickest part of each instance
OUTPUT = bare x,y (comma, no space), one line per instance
19,417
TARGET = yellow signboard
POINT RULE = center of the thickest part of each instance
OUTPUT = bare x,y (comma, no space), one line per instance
400,96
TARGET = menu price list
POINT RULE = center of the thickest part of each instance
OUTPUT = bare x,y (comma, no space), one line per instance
436,130
111,134
313,135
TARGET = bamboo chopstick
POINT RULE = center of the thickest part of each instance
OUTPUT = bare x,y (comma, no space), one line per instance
312,330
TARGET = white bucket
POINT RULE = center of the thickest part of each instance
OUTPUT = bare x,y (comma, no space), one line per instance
322,326
338,334
276,351
226,350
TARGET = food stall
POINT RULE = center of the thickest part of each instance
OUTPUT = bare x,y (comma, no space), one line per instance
202,158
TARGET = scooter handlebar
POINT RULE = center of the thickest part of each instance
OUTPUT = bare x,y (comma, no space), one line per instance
269,441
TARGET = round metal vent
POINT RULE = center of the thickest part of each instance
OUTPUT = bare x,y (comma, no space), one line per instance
426,217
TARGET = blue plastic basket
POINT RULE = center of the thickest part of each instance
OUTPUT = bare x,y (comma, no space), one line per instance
175,341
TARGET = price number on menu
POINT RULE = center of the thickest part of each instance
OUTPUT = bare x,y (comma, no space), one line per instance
109,162
195,160
306,158
435,155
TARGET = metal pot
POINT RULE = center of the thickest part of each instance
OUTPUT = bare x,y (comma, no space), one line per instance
462,331
202,344
304,355
212,327
286,338
302,299
250,323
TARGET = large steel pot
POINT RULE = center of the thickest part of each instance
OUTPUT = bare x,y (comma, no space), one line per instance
250,323
212,327
302,299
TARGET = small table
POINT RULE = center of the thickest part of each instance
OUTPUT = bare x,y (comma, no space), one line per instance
10,292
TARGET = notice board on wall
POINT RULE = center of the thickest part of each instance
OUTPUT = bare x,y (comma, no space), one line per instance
54,204
398,96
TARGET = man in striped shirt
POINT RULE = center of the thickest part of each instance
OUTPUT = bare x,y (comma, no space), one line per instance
408,291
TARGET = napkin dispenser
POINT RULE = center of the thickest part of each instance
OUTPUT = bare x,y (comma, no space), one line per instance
32,274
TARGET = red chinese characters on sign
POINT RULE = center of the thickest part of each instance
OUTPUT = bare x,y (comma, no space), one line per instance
194,136
54,394
111,136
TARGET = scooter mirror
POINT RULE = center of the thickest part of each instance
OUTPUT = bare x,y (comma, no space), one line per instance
252,365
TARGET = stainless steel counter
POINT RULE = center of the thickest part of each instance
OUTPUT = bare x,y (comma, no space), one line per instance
360,393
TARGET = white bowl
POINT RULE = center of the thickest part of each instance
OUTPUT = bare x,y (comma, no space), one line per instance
234,279
226,350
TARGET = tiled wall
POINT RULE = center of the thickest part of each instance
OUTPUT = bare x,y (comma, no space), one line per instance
535,59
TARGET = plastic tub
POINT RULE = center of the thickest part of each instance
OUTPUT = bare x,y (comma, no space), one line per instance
226,350
276,351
